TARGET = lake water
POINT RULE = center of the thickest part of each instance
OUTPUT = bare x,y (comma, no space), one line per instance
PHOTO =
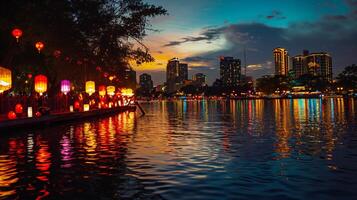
249,149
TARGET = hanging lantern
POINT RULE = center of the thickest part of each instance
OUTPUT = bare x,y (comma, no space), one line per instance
39,46
127,92
29,76
40,84
101,90
65,86
77,105
111,90
11,115
17,33
90,87
57,53
5,79
18,109
86,107
29,111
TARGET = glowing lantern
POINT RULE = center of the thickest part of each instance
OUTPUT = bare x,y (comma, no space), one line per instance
18,109
29,76
76,105
38,114
65,86
111,78
127,92
70,108
40,84
5,79
11,115
101,90
57,53
29,111
111,90
39,46
90,87
86,107
17,33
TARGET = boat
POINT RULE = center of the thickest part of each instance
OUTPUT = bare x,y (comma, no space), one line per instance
53,118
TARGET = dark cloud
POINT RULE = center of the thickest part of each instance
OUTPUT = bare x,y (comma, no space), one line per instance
275,14
336,34
208,34
197,59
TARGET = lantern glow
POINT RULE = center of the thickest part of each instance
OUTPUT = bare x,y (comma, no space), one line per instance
111,90
86,107
5,79
29,111
101,90
40,84
65,86
11,115
39,46
17,33
127,92
18,109
90,87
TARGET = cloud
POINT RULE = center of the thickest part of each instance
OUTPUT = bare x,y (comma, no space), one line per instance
275,14
336,34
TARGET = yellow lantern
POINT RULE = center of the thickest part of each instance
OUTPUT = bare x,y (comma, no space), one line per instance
5,79
127,92
40,84
111,90
90,87
101,90
86,107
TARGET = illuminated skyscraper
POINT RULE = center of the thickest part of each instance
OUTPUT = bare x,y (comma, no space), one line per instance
176,74
230,71
317,64
281,59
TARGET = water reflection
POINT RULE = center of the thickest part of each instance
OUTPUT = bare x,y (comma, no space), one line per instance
291,148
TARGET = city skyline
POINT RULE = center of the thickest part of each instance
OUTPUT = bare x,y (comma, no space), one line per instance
199,35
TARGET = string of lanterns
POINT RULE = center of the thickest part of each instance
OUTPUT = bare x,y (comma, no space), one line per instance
41,82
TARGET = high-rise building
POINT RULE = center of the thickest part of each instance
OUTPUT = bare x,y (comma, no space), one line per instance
230,71
183,72
281,59
199,79
146,84
130,78
176,74
317,64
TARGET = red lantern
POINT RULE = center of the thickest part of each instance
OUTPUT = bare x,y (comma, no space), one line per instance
39,46
17,33
40,84
29,76
11,115
38,114
18,109
76,105
57,53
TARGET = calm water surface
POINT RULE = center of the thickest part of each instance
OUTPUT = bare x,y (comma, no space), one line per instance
251,149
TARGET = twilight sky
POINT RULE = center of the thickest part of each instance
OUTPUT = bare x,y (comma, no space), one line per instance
200,31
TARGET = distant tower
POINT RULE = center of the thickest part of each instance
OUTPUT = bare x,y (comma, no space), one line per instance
230,71
176,74
146,82
281,59
317,64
